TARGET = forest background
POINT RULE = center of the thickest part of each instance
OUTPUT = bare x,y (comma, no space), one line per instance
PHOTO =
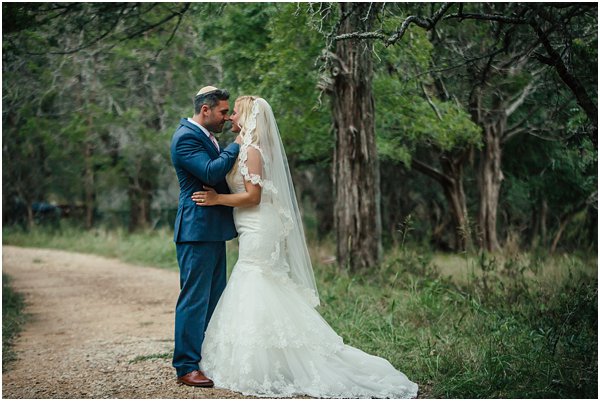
444,154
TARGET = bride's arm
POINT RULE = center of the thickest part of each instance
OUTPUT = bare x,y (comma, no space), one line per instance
243,199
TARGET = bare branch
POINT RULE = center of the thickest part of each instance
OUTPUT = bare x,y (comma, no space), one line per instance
425,23
366,17
530,88
428,23
360,35
122,13
323,13
339,23
533,131
181,14
430,171
555,60
509,131
488,17
156,24
431,104
468,61
514,132
88,44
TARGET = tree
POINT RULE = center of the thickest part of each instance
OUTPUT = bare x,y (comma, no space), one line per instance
357,213
422,126
356,167
90,103
113,67
67,28
504,22
503,76
26,140
558,28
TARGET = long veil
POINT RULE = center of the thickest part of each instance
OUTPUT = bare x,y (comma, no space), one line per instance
261,133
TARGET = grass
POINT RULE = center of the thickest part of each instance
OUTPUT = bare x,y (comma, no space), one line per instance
12,320
461,326
166,355
147,248
502,331
154,248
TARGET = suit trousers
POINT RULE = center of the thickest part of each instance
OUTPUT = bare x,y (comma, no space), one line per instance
202,279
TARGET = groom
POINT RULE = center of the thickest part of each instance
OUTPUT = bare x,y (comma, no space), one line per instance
200,232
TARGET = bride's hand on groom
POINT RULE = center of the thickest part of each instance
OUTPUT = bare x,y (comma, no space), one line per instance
205,198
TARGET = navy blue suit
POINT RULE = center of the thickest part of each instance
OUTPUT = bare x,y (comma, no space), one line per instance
200,235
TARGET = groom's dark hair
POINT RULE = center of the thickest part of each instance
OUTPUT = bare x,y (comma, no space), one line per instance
211,99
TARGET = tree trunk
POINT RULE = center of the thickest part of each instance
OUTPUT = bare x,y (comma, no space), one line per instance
140,200
451,180
309,180
538,231
561,228
565,219
356,171
457,200
534,232
543,222
490,181
392,202
30,218
83,97
88,181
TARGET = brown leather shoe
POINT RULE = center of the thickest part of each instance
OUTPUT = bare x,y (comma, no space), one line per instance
195,378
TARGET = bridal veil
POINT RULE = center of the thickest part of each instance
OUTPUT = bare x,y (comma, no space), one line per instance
259,131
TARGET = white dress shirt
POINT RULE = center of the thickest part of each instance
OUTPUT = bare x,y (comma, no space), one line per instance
206,132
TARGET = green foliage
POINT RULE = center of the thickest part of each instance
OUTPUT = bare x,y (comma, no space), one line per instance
12,319
408,115
409,121
241,37
305,124
106,112
259,46
106,116
562,174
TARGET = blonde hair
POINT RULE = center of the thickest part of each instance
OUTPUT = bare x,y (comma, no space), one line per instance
244,106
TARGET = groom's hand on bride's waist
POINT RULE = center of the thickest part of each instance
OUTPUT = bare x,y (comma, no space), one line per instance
205,198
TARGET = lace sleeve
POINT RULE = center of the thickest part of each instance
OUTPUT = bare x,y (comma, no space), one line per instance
251,165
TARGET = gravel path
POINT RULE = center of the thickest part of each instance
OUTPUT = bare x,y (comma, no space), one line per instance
98,328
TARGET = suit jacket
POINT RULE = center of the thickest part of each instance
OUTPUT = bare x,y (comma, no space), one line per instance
197,162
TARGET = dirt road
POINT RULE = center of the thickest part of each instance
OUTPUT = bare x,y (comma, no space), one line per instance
98,328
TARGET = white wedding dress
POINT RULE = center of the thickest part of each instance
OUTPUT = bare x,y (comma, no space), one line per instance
265,337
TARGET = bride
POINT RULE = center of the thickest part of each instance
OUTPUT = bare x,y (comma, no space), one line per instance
265,337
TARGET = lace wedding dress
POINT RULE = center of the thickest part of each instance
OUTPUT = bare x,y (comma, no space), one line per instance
265,337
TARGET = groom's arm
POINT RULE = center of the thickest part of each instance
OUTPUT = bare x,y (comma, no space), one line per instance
194,157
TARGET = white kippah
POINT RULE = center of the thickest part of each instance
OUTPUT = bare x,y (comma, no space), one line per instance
206,89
